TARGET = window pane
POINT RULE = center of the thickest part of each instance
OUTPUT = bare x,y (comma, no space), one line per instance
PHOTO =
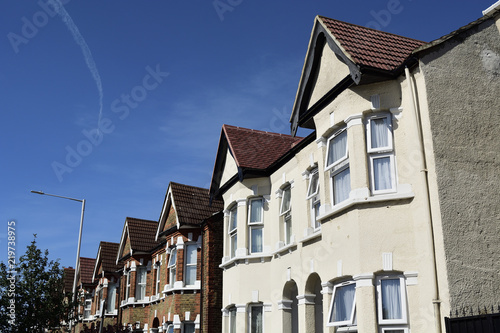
141,283
285,202
379,129
191,254
382,173
256,319
343,303
233,223
173,258
288,229
232,320
337,149
391,299
313,185
190,275
316,206
256,234
188,328
110,307
234,240
256,211
341,186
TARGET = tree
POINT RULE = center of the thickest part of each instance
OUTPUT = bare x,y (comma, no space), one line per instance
35,286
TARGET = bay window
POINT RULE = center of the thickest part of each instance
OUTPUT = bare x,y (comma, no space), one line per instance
127,285
140,286
337,162
256,225
232,320
343,306
157,278
380,151
87,306
233,230
191,255
286,214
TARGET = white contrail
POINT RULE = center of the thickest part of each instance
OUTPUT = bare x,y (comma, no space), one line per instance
77,36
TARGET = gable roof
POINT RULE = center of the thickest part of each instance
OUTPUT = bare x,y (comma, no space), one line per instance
370,47
255,153
371,56
141,234
86,270
191,204
106,258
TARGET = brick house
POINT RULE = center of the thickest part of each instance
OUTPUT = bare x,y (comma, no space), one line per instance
106,275
86,291
187,288
134,258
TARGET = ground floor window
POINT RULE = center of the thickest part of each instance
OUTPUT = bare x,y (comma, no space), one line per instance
255,318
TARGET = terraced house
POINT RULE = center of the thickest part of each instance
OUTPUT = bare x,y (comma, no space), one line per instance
375,222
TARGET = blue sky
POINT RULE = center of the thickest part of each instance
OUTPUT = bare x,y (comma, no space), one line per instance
168,74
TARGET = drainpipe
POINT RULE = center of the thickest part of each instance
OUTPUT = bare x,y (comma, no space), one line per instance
416,112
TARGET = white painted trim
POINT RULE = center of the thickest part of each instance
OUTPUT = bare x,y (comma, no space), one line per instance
307,299
364,280
353,120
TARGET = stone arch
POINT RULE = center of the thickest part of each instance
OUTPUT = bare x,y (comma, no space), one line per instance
314,303
290,307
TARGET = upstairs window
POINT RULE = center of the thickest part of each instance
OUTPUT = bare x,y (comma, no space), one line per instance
172,267
343,306
191,255
140,287
337,162
286,213
87,307
157,278
256,224
233,230
127,286
381,153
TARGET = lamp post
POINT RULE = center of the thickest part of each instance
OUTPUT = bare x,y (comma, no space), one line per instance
77,264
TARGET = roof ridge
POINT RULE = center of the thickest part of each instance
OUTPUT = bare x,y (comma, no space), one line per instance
192,186
261,131
372,29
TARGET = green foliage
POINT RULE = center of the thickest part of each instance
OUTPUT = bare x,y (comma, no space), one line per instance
38,296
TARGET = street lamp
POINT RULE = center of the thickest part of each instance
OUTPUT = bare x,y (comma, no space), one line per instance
77,265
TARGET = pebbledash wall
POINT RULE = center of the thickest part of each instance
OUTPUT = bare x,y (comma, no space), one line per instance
462,76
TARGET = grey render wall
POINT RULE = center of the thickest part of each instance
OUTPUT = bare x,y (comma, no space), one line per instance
463,87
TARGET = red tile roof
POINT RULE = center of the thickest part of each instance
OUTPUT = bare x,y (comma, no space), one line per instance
142,234
369,47
107,256
192,203
86,270
257,149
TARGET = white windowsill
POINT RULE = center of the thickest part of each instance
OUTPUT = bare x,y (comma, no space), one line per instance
284,248
180,287
310,234
260,256
361,196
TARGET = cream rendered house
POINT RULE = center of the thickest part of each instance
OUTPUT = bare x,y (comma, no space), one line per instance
340,231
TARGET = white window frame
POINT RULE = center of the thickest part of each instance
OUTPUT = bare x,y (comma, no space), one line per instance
395,328
157,278
346,154
381,152
140,285
172,267
314,198
404,310
87,306
250,307
110,303
286,214
351,321
334,172
187,265
233,230
255,225
127,286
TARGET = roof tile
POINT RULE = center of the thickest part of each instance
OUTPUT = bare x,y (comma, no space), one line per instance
257,149
108,252
86,269
142,234
370,47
